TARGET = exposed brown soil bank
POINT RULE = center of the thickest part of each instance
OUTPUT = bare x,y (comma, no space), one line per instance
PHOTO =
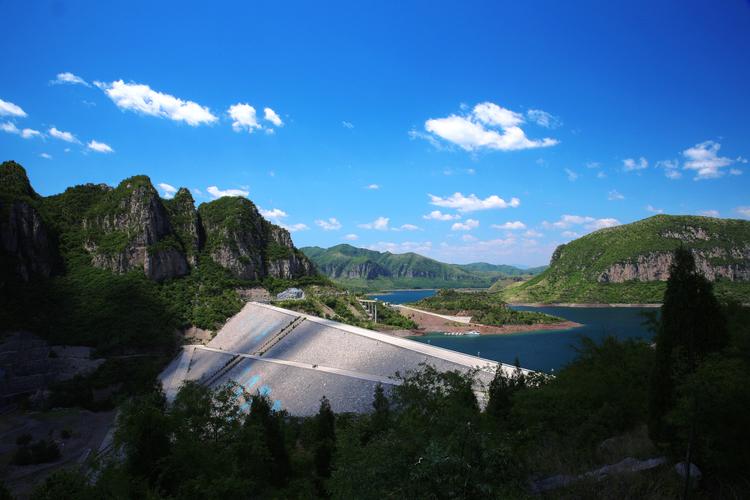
428,323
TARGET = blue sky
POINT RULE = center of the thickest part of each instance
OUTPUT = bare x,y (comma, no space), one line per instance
466,131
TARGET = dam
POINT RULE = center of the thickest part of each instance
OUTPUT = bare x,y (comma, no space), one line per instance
295,359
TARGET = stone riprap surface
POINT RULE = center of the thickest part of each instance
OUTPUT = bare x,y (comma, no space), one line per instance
296,359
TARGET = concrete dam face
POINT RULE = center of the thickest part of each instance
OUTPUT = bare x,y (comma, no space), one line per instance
296,359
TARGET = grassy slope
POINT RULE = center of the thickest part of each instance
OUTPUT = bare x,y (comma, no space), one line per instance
572,276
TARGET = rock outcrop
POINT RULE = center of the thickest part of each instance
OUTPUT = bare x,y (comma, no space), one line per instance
186,223
717,263
238,238
130,229
27,247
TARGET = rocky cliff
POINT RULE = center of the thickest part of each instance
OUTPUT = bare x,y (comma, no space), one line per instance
630,263
186,223
27,246
130,229
241,240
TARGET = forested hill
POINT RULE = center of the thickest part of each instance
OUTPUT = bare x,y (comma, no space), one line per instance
369,269
630,263
76,266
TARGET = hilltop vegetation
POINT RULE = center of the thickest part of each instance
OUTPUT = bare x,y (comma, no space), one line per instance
368,270
483,307
342,306
630,263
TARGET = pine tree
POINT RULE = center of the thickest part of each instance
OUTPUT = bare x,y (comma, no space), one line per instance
691,326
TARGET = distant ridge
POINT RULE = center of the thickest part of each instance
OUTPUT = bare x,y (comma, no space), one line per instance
630,263
369,269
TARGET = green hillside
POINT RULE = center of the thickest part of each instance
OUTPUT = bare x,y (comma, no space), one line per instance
363,269
629,263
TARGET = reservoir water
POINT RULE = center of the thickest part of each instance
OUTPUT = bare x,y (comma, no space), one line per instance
544,350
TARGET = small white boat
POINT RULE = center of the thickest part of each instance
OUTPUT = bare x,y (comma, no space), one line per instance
459,334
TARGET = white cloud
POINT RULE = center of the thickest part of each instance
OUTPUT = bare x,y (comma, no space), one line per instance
9,109
218,193
63,136
351,237
332,224
468,225
472,203
244,117
274,213
438,215
593,164
293,228
99,147
168,190
631,164
416,134
743,211
70,79
735,171
271,116
532,234
601,175
487,126
423,247
615,195
9,128
46,156
373,186
671,168
544,119
654,210
590,223
468,238
709,213
379,224
406,227
704,159
142,99
26,133
572,176
347,124
510,225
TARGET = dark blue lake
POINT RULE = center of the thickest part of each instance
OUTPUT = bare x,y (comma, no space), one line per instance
545,350
403,296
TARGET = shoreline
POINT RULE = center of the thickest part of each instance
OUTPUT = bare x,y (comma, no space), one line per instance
429,323
575,304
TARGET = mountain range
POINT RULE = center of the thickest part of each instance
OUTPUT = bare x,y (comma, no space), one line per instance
361,268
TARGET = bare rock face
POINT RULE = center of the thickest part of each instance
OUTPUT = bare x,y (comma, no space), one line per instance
186,223
25,242
289,262
713,264
366,270
238,238
27,247
131,230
